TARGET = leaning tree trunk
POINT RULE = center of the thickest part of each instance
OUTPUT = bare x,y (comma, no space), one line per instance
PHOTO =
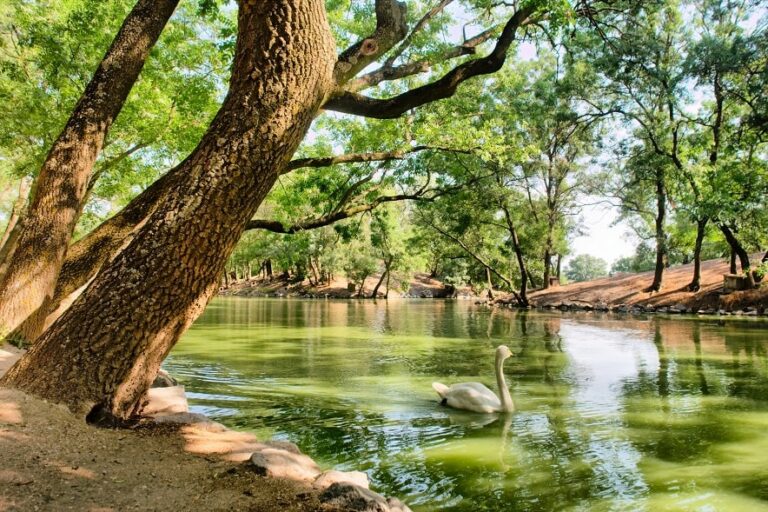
701,226
107,347
739,250
60,189
89,254
13,228
523,297
375,291
661,236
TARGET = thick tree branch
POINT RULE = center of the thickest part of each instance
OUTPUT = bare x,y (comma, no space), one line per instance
445,87
376,156
419,25
388,72
391,27
422,194
326,220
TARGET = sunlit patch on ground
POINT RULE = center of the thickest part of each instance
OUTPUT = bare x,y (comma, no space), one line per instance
10,413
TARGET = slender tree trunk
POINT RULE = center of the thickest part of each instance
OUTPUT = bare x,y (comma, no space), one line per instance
13,228
519,254
105,350
268,268
490,282
739,250
661,236
386,294
701,226
547,267
559,266
375,291
732,262
30,279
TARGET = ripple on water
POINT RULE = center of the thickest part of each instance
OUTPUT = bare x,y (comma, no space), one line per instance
636,415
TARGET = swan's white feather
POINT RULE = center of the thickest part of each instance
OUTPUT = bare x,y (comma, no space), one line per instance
471,396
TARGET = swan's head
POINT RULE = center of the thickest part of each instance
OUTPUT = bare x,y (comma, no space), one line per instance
503,352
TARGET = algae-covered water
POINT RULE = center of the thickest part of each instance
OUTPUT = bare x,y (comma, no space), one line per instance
655,414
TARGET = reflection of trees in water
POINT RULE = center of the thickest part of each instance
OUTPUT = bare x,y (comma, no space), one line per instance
747,368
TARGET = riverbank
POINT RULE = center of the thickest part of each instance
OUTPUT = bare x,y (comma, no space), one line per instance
171,460
421,286
625,293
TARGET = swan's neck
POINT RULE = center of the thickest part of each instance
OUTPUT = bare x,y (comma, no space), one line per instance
506,400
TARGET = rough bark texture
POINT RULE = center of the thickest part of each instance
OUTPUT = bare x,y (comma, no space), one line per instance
89,254
29,281
115,336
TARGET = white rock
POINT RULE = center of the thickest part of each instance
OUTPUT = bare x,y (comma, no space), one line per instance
170,400
331,477
277,463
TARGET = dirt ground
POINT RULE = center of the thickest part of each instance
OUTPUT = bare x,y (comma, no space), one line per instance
628,289
51,460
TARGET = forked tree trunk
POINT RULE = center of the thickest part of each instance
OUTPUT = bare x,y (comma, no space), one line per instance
106,349
701,226
28,282
739,250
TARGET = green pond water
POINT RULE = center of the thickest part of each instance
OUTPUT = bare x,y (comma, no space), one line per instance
612,413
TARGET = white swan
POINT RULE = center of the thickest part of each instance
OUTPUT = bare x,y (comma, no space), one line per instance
473,396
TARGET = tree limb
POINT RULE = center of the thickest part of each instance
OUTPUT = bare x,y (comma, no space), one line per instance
377,156
387,72
445,87
391,27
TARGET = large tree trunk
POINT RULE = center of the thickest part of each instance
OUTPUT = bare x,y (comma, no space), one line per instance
106,349
661,236
547,267
701,226
89,254
739,250
29,281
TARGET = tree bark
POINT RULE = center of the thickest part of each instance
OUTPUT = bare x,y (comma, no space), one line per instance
661,236
13,228
89,254
29,281
739,250
701,226
114,337
547,265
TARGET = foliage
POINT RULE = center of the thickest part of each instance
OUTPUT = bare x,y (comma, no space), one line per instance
586,267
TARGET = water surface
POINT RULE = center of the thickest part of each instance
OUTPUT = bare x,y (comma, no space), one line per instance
612,413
